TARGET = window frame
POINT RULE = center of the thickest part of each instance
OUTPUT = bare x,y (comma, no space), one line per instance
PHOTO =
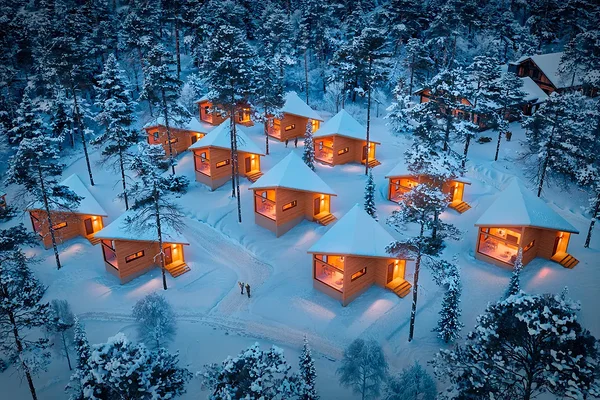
290,127
112,249
223,163
289,205
172,141
136,255
56,227
343,151
358,274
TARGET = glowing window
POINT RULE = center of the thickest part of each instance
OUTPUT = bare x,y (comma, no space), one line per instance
290,127
343,151
290,205
358,274
134,256
60,225
222,163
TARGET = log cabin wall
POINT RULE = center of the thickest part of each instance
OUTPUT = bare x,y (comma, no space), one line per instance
183,138
352,265
296,213
130,270
298,123
530,235
354,153
212,117
75,226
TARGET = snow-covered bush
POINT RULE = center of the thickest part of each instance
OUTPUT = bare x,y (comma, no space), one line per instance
363,368
156,320
412,383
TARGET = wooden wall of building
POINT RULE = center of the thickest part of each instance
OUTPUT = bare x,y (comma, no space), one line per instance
299,124
285,196
75,226
184,138
353,264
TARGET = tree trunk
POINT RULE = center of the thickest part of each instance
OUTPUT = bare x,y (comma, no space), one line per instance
122,167
232,140
177,50
64,342
237,176
500,133
548,155
306,72
413,311
19,346
588,238
412,74
166,117
368,117
160,240
48,216
267,125
467,143
80,128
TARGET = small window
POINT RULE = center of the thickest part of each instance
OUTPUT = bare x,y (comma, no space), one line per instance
60,225
134,256
343,151
315,125
529,246
222,163
358,274
109,243
290,205
155,135
194,138
174,140
290,127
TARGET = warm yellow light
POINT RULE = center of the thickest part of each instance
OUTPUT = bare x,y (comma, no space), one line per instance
253,157
174,246
396,262
95,218
322,197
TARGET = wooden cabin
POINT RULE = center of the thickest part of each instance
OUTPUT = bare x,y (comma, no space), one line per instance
289,193
533,99
343,140
182,135
212,156
543,69
215,114
292,119
351,257
519,219
84,220
130,251
400,181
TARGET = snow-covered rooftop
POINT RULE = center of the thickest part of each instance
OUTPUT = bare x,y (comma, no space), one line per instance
517,206
202,99
549,64
221,137
533,93
356,233
342,124
292,173
400,170
122,229
192,125
88,205
296,106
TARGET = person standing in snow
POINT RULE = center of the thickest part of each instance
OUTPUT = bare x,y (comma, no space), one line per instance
286,142
296,142
241,284
508,136
248,290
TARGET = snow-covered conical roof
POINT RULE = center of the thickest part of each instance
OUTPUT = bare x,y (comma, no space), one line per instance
88,205
292,173
517,206
192,125
549,64
356,233
296,106
121,229
400,170
221,137
343,124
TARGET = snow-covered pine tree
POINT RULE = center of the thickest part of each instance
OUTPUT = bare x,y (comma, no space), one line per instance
27,121
116,114
398,112
420,205
449,325
22,312
508,90
231,79
308,156
156,320
61,123
581,58
161,89
370,207
514,285
153,207
61,328
35,166
523,346
307,374
83,351
252,374
363,368
417,61
413,383
121,369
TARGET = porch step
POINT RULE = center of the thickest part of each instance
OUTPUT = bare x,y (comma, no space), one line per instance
326,220
178,270
402,289
374,163
253,177
566,260
94,241
461,207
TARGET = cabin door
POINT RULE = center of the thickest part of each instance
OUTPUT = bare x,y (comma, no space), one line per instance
556,243
452,192
393,272
317,206
89,226
248,162
364,153
168,255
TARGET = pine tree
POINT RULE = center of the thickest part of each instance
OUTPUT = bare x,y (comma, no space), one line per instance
121,369
253,374
61,328
307,374
581,58
153,207
22,312
417,61
308,156
81,374
116,114
156,320
370,207
521,347
61,123
412,383
514,286
161,90
27,120
449,325
508,93
399,111
363,368
35,167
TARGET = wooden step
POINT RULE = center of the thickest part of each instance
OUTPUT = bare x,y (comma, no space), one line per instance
401,289
569,261
374,163
178,270
461,207
326,220
253,177
94,241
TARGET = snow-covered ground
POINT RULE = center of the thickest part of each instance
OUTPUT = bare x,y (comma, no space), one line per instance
216,321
